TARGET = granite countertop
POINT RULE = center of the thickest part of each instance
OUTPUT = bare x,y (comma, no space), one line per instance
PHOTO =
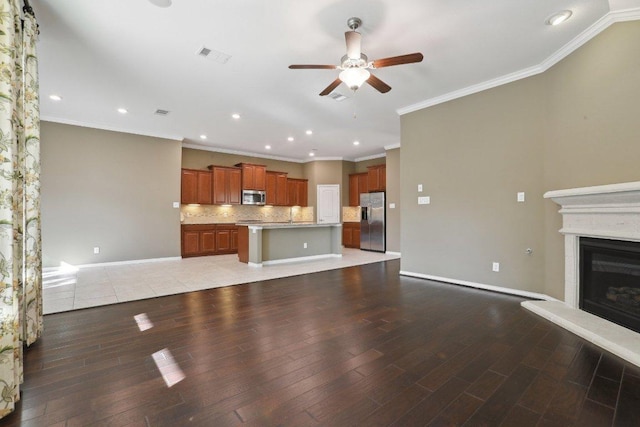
284,224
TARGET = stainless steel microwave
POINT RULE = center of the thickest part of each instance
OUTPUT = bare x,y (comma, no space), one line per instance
253,197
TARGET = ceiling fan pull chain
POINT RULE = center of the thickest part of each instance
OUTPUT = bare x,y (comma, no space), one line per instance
355,104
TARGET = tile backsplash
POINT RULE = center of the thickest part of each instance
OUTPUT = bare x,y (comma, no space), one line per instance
216,214
350,214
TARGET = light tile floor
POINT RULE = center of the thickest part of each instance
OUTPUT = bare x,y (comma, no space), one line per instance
67,289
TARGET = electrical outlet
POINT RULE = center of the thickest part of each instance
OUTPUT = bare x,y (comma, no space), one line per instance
96,250
392,205
304,245
496,267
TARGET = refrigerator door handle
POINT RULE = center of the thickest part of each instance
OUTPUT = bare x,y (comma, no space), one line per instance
363,214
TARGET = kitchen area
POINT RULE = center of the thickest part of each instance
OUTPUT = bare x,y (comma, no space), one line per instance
267,215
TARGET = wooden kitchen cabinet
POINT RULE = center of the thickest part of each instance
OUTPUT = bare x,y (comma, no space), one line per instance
226,185
226,239
195,187
254,177
351,235
276,188
377,178
198,240
209,239
297,192
358,183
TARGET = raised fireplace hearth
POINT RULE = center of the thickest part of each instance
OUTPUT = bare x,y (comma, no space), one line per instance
601,228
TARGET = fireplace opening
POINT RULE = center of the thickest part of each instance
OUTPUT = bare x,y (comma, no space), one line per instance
610,280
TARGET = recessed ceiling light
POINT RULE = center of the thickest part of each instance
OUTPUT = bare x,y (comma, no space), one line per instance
356,142
311,154
290,139
203,136
161,3
558,18
122,110
55,97
268,147
309,132
235,116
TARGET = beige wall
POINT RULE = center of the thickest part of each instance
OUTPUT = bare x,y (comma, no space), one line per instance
108,189
323,172
594,138
574,125
200,159
362,165
347,168
393,196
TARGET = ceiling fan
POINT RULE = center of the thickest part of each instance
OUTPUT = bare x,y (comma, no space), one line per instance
355,65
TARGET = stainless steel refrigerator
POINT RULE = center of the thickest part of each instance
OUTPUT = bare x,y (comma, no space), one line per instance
372,222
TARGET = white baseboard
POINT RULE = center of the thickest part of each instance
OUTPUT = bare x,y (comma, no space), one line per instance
392,253
518,292
298,259
114,263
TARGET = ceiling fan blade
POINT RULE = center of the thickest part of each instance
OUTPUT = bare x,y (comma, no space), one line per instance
331,87
398,60
354,41
313,67
378,84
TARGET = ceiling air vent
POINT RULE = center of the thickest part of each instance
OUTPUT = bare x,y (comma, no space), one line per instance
337,96
213,55
160,112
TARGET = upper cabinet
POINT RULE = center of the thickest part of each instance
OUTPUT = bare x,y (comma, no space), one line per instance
297,191
254,177
377,178
358,183
196,187
226,185
276,188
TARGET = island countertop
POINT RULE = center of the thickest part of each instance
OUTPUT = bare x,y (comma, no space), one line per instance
264,243
269,225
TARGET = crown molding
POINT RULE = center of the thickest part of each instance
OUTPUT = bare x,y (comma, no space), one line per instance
241,153
392,146
596,28
108,128
374,156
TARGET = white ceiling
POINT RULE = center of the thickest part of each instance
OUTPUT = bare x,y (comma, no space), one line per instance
102,55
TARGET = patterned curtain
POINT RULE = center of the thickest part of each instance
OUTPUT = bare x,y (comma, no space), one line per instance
20,243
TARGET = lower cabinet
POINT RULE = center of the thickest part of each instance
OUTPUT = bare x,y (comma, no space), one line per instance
351,235
209,239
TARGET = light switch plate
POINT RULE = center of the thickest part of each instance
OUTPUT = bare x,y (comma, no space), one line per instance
176,204
419,188
392,205
496,267
424,200
521,196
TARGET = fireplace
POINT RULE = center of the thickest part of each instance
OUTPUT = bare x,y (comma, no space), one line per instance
601,228
610,280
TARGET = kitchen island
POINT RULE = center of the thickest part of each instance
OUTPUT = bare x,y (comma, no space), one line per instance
272,243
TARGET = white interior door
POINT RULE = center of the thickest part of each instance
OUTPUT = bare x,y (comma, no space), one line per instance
329,204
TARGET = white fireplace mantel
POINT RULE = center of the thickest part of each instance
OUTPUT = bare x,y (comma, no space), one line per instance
606,212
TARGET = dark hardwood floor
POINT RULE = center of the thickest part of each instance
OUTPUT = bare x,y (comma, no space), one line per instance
358,346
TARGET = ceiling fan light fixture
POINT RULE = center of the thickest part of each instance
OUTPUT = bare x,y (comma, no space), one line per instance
354,77
559,17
